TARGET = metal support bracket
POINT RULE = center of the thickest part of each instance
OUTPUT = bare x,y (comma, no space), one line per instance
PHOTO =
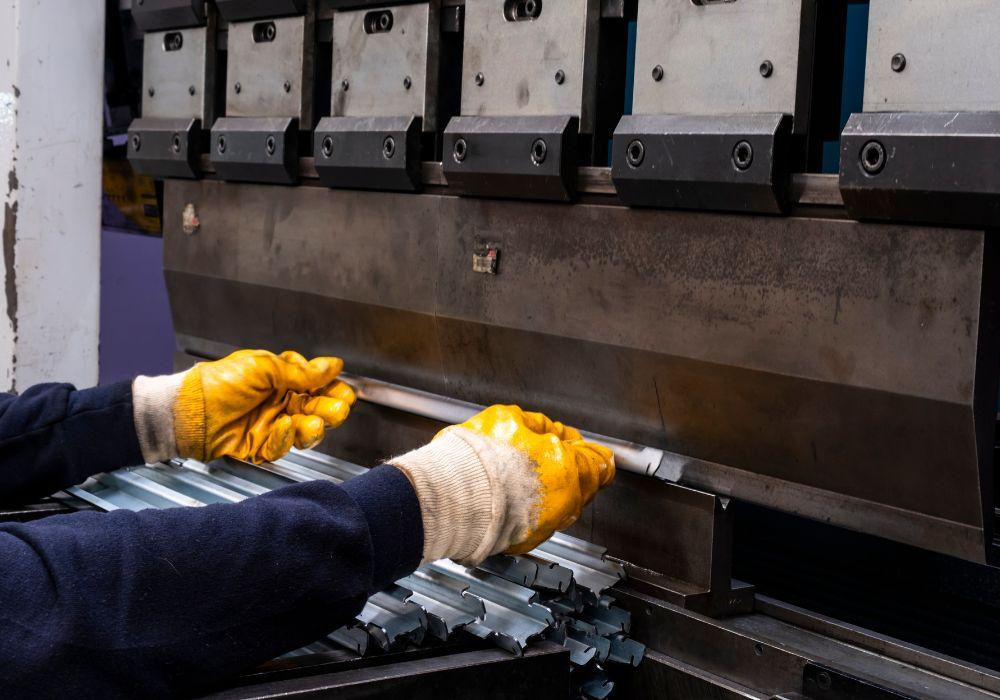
256,149
728,163
928,167
165,147
691,565
156,15
241,10
522,157
377,153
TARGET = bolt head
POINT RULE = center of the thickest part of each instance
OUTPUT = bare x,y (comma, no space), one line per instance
151,91
288,86
327,147
345,84
898,63
136,142
743,155
539,151
191,90
407,83
480,79
560,77
766,69
238,88
635,153
657,73
460,150
221,144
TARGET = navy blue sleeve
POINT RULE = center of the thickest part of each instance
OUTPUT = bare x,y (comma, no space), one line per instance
53,436
163,602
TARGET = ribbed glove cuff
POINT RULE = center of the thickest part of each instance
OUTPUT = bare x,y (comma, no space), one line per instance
153,400
475,494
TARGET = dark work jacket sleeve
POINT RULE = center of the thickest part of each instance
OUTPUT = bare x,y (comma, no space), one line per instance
53,436
166,602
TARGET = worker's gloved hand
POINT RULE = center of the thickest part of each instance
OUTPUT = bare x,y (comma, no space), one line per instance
503,481
252,405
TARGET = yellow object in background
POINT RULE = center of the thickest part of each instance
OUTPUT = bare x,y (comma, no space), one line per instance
129,199
255,405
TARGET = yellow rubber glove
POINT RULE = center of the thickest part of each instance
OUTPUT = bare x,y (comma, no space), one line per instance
253,405
503,481
256,405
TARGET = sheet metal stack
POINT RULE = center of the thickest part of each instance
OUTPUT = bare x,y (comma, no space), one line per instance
555,592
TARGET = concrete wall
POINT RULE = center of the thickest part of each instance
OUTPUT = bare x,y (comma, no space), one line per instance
51,121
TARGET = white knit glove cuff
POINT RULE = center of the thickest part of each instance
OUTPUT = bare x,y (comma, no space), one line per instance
153,401
476,495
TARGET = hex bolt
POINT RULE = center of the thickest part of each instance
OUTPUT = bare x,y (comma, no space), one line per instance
460,150
345,84
766,69
270,31
288,86
758,649
385,21
191,90
743,155
480,79
151,91
388,147
221,145
238,88
327,147
899,63
270,144
873,157
635,153
539,150
136,142
657,72
560,77
175,143
823,681
407,83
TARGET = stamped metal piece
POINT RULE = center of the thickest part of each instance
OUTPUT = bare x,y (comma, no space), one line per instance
923,57
517,60
745,57
390,72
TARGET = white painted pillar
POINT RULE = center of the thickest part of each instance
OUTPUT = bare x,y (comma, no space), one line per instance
51,123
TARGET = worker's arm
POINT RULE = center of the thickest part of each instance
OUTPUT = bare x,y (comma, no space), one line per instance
251,405
53,436
158,602
161,602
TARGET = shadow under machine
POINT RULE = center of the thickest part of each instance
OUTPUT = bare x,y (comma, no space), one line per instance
614,212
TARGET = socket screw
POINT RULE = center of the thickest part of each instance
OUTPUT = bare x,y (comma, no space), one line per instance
766,69
657,73
480,79
898,63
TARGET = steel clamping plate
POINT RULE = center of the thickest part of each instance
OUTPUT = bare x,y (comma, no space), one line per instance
385,62
722,58
929,56
523,65
175,68
270,69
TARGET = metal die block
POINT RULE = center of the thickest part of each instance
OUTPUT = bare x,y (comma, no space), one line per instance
378,153
271,69
721,58
734,163
256,150
536,61
154,15
242,10
523,157
165,147
386,62
927,57
922,166
178,69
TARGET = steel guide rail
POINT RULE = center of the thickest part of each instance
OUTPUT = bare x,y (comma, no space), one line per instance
555,592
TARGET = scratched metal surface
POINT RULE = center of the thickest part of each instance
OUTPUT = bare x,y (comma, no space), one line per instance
821,366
